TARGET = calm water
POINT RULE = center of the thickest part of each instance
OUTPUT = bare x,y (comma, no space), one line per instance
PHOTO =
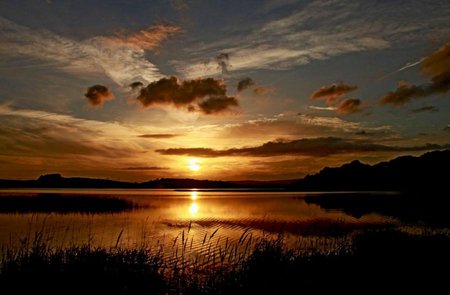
168,215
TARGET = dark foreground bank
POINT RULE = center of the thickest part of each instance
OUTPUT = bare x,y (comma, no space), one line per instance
378,261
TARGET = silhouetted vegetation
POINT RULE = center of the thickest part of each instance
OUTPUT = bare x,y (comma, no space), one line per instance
377,261
56,203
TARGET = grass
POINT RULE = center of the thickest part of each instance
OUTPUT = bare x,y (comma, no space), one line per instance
56,203
377,261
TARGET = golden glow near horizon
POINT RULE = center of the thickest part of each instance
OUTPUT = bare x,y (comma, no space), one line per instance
194,164
194,195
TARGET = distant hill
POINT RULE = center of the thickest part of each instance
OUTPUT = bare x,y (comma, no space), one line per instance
427,172
58,181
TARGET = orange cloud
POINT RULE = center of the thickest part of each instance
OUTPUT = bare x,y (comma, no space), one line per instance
148,38
349,106
436,67
332,93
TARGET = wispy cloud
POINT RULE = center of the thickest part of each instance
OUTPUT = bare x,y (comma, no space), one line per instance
317,31
425,109
323,108
123,64
148,38
145,168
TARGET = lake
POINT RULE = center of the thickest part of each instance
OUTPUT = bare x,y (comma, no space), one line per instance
173,219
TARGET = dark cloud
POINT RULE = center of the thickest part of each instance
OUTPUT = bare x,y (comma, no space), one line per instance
333,93
223,62
245,83
217,104
425,109
136,85
436,67
322,146
143,168
208,94
97,95
159,135
363,133
349,106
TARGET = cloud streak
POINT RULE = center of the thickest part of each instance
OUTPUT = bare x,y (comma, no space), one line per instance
148,38
319,147
122,64
318,30
159,135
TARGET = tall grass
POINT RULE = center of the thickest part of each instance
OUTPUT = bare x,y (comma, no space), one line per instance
373,261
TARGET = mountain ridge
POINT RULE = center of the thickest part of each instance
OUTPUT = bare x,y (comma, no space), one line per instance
404,173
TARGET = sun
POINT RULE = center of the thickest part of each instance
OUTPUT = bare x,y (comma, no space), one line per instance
194,164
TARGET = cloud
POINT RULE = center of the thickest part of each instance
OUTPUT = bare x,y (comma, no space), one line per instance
323,108
437,63
223,62
332,93
315,31
57,136
425,109
179,4
136,85
148,38
349,106
436,67
320,147
144,168
159,135
97,95
244,84
122,64
247,83
217,104
208,94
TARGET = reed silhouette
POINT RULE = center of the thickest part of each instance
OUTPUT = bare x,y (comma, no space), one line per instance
377,261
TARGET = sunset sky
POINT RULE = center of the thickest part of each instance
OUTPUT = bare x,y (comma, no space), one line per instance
137,90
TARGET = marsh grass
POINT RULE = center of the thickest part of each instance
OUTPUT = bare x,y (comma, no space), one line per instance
375,260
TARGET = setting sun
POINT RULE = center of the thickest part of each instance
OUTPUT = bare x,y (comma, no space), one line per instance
194,164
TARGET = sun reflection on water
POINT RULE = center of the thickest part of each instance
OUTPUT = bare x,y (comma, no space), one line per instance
193,209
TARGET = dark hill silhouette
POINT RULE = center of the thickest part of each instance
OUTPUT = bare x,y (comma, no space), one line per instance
406,173
58,181
428,172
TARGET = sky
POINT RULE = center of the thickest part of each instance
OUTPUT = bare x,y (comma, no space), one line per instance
233,90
